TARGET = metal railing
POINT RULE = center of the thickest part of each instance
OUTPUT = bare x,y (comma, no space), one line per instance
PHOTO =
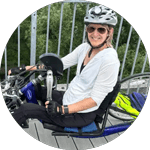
75,2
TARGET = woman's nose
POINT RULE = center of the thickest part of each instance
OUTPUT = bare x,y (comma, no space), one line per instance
96,33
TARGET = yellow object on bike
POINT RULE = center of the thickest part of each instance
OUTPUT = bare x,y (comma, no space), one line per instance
124,102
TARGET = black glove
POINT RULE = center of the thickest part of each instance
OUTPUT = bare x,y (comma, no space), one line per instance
18,70
54,109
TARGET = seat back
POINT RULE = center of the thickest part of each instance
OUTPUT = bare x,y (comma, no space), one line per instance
109,99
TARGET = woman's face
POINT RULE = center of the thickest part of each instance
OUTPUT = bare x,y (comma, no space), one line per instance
97,34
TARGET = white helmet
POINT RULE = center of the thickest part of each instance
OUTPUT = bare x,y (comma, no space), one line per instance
101,15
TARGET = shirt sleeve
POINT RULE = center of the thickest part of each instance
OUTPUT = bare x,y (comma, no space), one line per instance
72,58
105,81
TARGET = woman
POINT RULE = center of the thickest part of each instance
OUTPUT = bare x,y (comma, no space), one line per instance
97,72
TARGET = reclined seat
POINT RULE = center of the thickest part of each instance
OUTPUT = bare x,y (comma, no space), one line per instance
93,129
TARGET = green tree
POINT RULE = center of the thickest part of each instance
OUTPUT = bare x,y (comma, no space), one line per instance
55,11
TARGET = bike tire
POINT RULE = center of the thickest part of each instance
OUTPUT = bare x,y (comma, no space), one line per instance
140,82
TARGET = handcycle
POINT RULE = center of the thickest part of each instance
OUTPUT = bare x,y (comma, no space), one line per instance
16,87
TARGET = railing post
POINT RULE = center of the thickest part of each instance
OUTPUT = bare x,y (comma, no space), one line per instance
18,45
33,39
126,51
5,63
136,54
71,42
144,64
119,32
60,28
48,19
133,66
143,68
84,31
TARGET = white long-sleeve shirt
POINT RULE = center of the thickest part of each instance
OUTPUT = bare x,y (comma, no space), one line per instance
96,79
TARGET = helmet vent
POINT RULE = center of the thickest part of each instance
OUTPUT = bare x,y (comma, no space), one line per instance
103,13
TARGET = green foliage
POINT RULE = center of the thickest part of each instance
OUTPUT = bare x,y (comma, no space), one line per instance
130,60
68,10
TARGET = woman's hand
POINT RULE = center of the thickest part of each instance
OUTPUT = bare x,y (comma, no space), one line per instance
9,72
20,69
17,70
46,104
53,108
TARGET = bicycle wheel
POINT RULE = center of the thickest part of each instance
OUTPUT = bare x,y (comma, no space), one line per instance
119,113
136,83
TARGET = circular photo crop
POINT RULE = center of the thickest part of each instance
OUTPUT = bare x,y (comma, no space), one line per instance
75,75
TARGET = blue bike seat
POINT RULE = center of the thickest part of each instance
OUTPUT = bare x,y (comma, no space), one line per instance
89,128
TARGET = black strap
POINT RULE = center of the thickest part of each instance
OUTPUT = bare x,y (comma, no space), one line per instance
66,111
99,46
90,52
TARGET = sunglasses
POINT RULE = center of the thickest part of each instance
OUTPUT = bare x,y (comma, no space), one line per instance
91,29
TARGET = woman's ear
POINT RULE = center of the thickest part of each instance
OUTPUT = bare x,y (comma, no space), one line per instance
111,31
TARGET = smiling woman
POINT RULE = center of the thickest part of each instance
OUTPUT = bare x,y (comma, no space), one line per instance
80,104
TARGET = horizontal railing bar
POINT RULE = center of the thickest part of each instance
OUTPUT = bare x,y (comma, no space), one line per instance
76,1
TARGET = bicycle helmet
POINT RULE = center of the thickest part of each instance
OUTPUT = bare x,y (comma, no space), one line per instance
100,15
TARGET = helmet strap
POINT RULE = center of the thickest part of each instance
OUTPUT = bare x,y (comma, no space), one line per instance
99,46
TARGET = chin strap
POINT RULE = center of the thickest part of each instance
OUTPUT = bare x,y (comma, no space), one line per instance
101,45
90,52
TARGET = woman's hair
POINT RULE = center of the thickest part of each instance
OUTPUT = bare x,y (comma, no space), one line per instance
110,36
